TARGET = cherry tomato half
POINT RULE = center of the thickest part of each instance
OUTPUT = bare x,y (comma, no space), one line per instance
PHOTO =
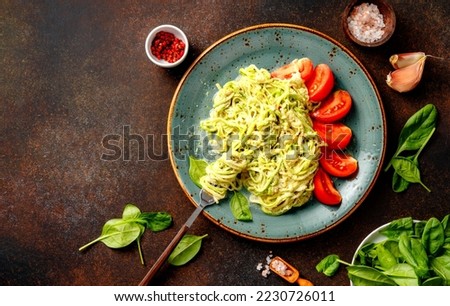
338,164
336,135
335,107
303,65
324,190
321,83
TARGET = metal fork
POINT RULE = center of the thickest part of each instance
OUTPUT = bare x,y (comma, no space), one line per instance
205,200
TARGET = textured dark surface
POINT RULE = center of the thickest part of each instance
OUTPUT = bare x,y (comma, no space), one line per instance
73,72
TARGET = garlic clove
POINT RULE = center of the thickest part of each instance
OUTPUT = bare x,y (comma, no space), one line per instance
405,59
406,78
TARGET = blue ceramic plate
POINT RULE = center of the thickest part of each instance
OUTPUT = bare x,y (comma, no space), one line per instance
270,46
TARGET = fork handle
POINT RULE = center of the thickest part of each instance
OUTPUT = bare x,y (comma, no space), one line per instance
162,258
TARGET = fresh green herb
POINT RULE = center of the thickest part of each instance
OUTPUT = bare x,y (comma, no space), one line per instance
329,265
197,169
368,276
415,253
119,233
407,170
186,249
399,226
433,236
415,134
240,207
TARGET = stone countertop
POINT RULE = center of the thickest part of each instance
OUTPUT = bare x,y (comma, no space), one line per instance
74,72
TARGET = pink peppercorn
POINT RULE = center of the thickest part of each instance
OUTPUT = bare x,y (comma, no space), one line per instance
165,46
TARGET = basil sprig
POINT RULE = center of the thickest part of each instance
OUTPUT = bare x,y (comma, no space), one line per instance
121,232
414,135
414,254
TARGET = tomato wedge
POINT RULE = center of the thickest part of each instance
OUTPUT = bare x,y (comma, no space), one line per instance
338,164
335,107
336,135
324,190
304,66
321,83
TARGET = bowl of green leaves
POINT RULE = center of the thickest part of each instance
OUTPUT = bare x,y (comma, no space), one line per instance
404,252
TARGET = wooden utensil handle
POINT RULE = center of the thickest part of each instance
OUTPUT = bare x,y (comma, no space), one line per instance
160,261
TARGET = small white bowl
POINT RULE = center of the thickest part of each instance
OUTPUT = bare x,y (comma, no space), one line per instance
170,29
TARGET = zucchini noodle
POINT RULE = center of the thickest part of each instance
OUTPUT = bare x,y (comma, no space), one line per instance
267,143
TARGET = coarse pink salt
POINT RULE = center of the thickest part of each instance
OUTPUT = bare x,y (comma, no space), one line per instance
366,23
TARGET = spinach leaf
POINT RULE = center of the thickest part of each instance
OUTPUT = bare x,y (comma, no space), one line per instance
398,227
419,227
446,225
156,221
414,253
399,184
329,265
367,255
385,257
118,233
433,236
407,170
416,130
441,265
197,169
186,249
240,207
130,212
392,246
403,275
368,276
433,281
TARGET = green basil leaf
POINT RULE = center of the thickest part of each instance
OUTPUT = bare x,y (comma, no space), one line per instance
130,212
433,236
408,170
117,234
368,276
156,221
441,265
403,275
240,207
185,250
417,128
398,227
329,265
197,169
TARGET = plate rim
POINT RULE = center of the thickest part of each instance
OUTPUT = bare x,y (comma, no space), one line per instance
218,43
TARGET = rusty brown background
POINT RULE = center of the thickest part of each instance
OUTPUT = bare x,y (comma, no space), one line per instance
75,71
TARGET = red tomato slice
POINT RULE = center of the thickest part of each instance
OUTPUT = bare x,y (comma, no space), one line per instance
321,83
338,164
334,107
303,65
336,135
324,190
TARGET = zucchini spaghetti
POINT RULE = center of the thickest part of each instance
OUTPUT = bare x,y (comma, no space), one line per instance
267,142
